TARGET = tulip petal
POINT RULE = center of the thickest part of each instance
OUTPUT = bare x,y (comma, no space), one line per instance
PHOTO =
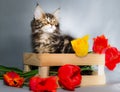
13,79
100,44
112,57
69,76
38,84
81,46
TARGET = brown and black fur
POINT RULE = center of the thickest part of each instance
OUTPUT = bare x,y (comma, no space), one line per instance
49,42
54,42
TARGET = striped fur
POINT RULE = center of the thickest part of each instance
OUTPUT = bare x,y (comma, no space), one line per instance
49,42
47,38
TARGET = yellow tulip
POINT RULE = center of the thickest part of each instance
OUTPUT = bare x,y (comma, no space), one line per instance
81,46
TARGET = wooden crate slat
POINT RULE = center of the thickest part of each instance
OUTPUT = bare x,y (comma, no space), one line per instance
61,59
101,70
31,59
93,80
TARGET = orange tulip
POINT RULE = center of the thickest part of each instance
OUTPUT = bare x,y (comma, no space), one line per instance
13,79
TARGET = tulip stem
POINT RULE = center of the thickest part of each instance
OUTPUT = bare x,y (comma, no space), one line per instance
1,77
7,69
26,83
90,52
52,73
86,68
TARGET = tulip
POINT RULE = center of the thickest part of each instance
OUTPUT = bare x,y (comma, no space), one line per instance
38,84
112,57
69,76
81,46
13,79
100,44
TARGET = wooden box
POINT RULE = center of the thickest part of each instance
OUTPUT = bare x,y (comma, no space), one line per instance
44,61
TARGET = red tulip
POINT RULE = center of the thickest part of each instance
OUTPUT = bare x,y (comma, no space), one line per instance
112,57
13,79
100,44
69,76
38,84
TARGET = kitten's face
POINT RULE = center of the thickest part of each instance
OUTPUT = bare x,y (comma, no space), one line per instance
49,22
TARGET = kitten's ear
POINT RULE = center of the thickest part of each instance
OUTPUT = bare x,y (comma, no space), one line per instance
56,13
38,12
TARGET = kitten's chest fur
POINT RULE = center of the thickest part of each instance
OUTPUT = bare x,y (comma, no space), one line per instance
51,43
46,42
45,38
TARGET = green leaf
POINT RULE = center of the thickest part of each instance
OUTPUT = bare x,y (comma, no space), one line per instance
8,69
30,73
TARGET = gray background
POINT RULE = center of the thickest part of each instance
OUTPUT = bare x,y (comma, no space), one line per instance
77,18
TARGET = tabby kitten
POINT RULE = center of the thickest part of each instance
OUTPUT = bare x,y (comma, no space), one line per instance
46,36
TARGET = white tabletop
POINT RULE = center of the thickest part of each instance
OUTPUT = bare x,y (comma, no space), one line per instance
106,88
